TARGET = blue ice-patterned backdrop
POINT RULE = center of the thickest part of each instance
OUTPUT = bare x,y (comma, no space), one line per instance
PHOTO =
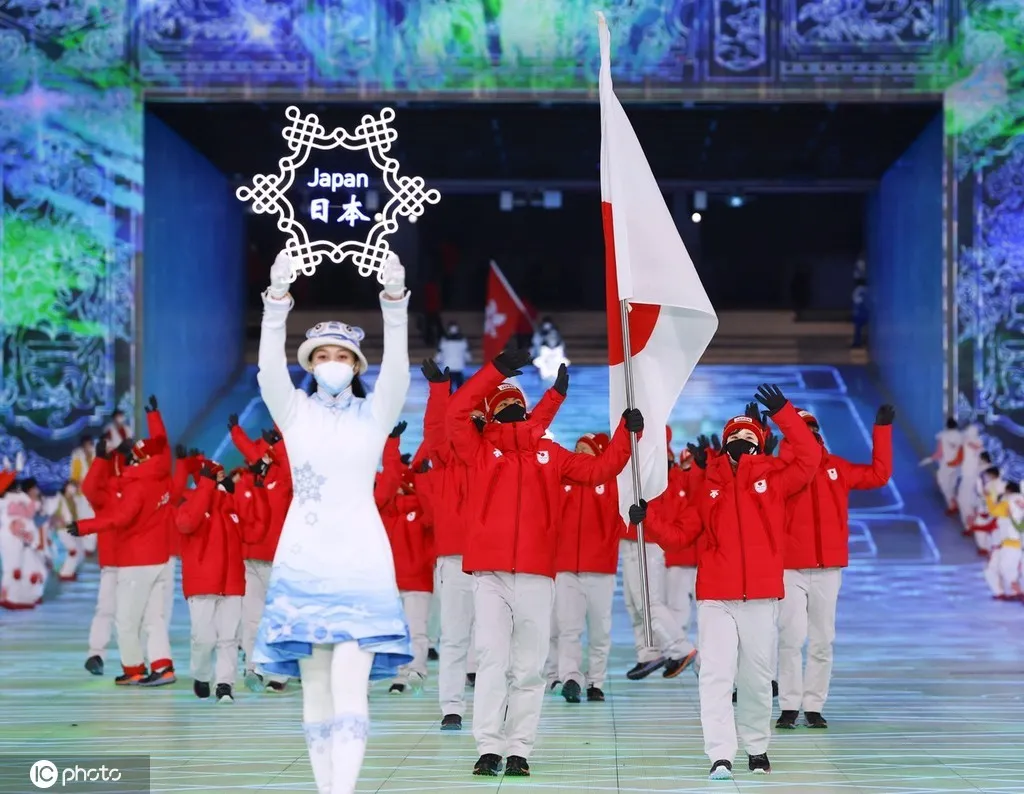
74,76
193,279
904,231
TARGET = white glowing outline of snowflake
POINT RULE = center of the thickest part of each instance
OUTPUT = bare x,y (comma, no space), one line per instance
409,195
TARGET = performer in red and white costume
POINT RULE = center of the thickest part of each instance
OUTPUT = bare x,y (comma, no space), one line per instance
815,553
20,545
1003,572
968,499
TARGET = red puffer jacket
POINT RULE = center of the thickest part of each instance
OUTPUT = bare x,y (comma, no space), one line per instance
589,532
157,430
214,526
666,510
100,487
449,487
817,518
389,479
739,517
516,477
412,543
138,515
278,487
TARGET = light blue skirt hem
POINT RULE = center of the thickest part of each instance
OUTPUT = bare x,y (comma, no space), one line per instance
282,657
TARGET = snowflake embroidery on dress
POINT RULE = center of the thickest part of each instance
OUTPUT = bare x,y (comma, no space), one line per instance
352,727
306,484
311,518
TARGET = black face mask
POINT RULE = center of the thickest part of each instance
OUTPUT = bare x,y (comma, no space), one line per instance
479,422
511,413
738,447
227,484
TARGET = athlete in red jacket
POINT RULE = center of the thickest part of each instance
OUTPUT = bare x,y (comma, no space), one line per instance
586,560
817,548
516,479
100,487
738,516
216,519
412,546
448,501
139,517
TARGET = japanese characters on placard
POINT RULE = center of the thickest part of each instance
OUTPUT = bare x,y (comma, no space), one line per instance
346,203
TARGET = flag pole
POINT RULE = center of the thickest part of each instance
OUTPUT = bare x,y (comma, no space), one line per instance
634,465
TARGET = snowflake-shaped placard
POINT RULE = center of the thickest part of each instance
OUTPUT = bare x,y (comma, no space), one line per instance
409,195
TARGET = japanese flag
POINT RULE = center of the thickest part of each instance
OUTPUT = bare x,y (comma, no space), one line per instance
502,313
671,320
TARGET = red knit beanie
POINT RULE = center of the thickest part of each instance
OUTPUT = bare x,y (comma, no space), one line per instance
504,391
738,423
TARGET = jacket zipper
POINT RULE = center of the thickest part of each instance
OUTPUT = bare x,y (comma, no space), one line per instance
816,515
739,528
579,535
519,501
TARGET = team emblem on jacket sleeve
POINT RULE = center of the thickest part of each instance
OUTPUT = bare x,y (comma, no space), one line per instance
833,474
234,517
761,486
599,490
410,517
568,488
682,494
713,494
497,452
542,456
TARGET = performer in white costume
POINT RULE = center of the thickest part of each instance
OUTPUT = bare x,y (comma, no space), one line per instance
970,469
948,455
333,615
82,458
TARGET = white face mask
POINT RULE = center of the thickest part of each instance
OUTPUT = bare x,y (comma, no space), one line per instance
334,376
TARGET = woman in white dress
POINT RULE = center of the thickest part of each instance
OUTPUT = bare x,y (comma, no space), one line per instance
333,615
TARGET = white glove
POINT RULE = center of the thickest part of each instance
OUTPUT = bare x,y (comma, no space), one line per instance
927,461
394,277
280,276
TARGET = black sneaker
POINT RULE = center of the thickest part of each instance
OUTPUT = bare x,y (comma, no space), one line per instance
595,695
554,687
721,770
775,689
674,667
759,764
276,686
488,765
397,689
451,722
516,766
134,678
787,720
815,720
94,665
471,680
223,693
201,688
433,655
571,692
643,669
161,677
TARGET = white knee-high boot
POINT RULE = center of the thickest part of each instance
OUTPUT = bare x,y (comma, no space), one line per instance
318,714
350,681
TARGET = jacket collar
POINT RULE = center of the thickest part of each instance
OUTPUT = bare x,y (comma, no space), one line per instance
155,468
343,400
514,436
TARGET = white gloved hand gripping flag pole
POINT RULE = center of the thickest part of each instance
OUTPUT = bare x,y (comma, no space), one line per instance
660,320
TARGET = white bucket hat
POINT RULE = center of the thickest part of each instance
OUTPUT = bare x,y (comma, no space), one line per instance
336,334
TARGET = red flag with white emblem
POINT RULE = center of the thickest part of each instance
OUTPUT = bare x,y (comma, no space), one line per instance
671,320
502,314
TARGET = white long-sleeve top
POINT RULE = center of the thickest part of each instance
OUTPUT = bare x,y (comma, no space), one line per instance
453,354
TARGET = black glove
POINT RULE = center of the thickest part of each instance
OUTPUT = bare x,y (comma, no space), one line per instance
260,468
771,444
151,406
772,398
72,530
764,419
227,484
885,415
271,436
398,430
699,453
634,420
232,421
101,449
208,472
180,452
424,466
195,453
126,447
433,373
562,380
638,513
716,442
753,412
509,362
703,442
